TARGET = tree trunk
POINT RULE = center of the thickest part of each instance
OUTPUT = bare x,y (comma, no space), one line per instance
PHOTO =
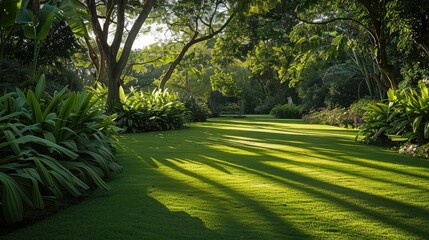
113,83
97,60
113,93
389,73
109,54
376,15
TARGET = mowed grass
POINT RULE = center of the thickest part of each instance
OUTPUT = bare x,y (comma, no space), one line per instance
252,178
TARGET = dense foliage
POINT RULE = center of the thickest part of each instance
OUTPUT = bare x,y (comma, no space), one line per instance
199,110
287,111
351,117
405,114
151,111
52,147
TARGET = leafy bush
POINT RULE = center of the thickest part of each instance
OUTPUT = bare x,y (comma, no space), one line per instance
406,114
334,117
356,111
343,117
199,110
215,102
230,108
289,111
51,147
151,111
377,122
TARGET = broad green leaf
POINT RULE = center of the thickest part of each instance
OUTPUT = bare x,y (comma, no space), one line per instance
10,116
425,92
49,15
74,13
9,10
49,136
391,95
25,16
40,87
43,172
12,197
34,105
67,184
122,96
40,141
57,98
31,175
90,172
416,123
11,140
66,109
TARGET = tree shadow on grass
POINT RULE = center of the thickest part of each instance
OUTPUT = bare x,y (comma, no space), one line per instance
127,213
277,226
362,202
333,149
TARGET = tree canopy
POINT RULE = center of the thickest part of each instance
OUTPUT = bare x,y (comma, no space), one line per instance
374,44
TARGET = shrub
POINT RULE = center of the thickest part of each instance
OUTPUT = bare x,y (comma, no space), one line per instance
51,147
356,111
334,117
151,111
377,123
215,102
406,114
343,117
198,109
230,108
289,111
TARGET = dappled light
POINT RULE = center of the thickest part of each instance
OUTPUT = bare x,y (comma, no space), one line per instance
252,179
279,178
323,177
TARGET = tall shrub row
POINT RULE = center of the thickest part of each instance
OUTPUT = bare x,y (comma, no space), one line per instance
52,147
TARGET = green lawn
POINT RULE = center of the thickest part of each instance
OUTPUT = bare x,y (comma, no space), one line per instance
251,178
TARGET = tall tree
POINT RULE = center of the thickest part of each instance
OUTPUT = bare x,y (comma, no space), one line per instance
109,16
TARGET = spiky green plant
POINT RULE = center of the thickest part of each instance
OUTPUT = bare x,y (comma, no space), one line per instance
51,146
406,114
151,111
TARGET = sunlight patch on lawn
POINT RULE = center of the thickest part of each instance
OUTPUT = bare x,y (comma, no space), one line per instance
231,150
208,187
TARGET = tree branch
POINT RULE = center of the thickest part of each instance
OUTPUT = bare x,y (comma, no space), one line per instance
116,44
214,33
192,41
108,18
338,19
98,31
147,8
139,63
